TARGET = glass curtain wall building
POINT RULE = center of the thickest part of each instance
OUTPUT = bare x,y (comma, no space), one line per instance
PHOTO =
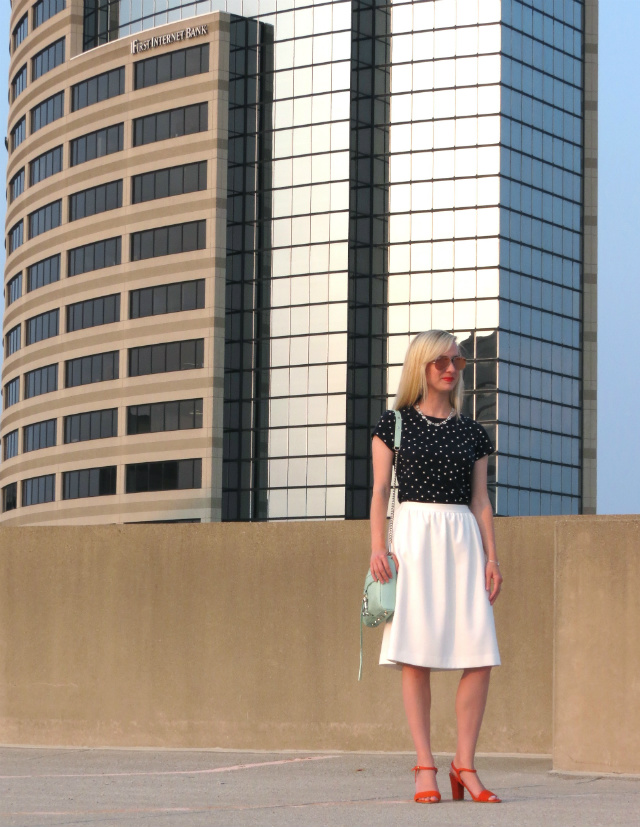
424,164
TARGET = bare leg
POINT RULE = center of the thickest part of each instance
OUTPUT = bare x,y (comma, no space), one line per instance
471,700
416,692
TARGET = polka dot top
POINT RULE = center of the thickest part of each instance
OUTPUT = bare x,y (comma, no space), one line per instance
435,464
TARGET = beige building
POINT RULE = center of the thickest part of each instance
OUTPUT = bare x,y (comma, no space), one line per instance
116,241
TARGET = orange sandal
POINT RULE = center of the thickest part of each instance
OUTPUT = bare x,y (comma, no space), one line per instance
425,796
458,787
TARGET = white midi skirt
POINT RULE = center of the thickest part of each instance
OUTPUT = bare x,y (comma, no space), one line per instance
443,618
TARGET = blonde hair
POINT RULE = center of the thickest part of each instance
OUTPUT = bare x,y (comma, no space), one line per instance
424,348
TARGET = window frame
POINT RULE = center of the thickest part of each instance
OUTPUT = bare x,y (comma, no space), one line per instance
39,435
84,478
171,122
15,190
166,354
47,482
95,200
97,89
147,71
95,312
43,219
37,327
158,296
85,421
93,247
56,103
11,444
88,366
55,154
156,474
23,23
104,135
169,240
159,411
13,340
42,63
9,490
14,289
35,376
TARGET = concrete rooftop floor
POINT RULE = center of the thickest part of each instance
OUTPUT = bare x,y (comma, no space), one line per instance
204,788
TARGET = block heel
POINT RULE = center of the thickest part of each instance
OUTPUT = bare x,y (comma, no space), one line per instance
458,787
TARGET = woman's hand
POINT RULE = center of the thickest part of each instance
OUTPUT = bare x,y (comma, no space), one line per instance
379,565
493,580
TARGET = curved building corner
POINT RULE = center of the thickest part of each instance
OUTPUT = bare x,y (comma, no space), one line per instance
116,234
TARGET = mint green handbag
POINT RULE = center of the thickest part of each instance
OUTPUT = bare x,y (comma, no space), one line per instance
379,599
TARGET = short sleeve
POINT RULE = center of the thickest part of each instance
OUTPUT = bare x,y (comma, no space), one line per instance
385,428
483,446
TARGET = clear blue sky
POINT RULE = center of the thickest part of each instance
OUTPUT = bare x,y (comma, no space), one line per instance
618,276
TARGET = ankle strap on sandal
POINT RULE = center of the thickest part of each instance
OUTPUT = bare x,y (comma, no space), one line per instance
418,767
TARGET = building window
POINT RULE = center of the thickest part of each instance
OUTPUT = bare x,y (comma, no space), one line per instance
89,482
16,236
172,123
12,340
43,326
98,88
97,144
10,497
48,59
39,435
168,241
95,200
182,63
39,490
101,367
19,82
47,112
93,312
44,9
16,186
94,256
164,183
46,218
21,30
183,415
18,133
171,475
45,165
12,392
166,298
166,357
10,445
43,272
14,289
40,380
91,425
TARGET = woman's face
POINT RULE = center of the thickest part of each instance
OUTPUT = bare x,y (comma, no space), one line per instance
444,380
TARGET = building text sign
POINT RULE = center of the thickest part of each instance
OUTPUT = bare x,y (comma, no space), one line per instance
164,39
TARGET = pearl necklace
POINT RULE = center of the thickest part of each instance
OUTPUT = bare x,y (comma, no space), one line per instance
435,424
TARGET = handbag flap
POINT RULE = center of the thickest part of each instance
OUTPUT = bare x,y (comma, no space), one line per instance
381,597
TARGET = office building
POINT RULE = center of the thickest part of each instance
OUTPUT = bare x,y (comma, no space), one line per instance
227,219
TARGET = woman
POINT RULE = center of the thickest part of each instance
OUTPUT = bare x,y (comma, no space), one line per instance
444,548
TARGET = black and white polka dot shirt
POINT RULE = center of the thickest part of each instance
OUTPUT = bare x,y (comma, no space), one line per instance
435,463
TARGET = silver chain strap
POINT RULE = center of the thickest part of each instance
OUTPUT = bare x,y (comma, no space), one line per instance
394,485
394,477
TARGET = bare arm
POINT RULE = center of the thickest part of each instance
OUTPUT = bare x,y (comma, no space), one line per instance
382,466
481,509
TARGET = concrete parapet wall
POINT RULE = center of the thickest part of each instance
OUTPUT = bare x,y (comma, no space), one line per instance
246,636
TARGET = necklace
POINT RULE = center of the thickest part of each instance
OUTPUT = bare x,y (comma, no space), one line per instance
435,424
